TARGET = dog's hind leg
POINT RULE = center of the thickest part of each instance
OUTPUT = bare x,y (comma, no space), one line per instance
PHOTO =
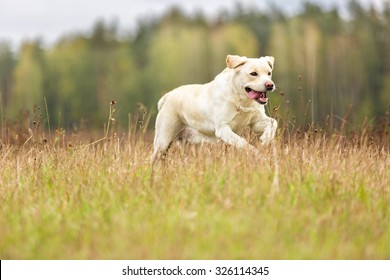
167,128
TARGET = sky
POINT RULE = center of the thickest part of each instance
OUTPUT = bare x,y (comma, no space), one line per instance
50,19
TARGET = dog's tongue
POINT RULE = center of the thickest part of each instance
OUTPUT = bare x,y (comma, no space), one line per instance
259,96
254,94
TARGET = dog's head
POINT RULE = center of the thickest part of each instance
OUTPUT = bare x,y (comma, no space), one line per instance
253,76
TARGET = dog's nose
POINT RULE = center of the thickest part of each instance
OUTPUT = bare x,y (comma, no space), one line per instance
269,85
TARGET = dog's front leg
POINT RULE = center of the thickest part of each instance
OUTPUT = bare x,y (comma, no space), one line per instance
226,134
268,127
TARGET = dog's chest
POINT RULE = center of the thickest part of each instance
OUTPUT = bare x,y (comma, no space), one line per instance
242,118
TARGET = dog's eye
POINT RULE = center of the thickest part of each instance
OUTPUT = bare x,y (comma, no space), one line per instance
269,73
254,74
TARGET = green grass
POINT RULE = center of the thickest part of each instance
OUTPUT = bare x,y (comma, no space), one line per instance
209,202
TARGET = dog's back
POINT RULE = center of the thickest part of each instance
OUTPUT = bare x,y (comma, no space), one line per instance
161,102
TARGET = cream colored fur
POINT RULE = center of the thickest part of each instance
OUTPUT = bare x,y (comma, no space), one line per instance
220,109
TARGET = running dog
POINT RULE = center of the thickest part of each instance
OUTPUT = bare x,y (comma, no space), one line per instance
220,109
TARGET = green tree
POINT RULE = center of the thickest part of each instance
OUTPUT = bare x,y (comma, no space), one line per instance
232,38
122,82
28,79
72,93
7,65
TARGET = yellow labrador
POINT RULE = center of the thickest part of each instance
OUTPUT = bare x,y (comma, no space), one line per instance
220,109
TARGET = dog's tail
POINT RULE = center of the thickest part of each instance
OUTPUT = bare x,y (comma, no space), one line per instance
161,102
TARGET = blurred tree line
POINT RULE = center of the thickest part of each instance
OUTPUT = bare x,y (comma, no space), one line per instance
326,66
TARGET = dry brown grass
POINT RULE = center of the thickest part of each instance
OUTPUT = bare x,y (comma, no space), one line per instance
65,198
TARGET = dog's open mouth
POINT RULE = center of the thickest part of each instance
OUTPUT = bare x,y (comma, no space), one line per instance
260,97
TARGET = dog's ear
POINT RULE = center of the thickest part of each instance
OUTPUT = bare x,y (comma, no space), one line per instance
233,61
270,60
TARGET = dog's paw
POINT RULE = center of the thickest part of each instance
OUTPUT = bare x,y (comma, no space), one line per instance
269,133
266,139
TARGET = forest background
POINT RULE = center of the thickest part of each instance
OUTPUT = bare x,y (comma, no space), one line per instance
329,69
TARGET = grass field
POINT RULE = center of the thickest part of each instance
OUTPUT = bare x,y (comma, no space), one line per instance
313,197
